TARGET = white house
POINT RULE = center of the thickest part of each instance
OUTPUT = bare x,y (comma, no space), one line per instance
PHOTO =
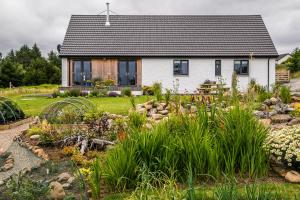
138,50
282,58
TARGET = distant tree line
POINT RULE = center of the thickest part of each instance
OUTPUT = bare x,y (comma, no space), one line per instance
27,66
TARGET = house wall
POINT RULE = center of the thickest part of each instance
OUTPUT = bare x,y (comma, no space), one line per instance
105,68
201,69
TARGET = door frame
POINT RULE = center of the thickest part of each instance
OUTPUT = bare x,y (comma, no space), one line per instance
127,69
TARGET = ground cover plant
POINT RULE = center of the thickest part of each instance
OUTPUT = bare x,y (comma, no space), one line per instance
213,144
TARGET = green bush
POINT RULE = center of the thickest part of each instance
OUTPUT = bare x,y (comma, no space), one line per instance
148,90
126,92
9,111
94,93
157,89
215,144
285,94
74,92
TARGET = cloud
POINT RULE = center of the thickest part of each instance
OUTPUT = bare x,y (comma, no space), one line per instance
45,22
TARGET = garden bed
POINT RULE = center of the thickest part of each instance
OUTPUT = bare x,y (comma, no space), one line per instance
14,124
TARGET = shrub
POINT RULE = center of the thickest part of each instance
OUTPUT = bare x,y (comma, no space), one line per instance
9,111
103,92
157,89
285,94
113,94
213,143
55,94
126,92
284,145
109,82
94,93
34,130
74,92
263,94
147,90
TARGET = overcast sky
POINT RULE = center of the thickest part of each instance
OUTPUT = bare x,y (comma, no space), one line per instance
45,21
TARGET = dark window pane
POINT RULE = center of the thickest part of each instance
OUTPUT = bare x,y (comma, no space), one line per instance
77,73
123,73
131,72
181,67
241,67
184,68
87,75
218,68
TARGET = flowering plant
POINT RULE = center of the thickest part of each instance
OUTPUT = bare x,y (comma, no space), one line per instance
284,144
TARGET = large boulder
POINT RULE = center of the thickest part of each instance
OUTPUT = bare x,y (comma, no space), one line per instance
157,116
281,118
294,122
265,122
292,177
57,191
63,177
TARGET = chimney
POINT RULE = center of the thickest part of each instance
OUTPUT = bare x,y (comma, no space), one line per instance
107,15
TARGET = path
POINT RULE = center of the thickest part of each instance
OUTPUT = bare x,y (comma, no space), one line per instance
294,85
23,158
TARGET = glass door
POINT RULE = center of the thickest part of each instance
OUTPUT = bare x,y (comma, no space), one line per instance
82,72
127,72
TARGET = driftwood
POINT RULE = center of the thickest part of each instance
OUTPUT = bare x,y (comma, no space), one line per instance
84,144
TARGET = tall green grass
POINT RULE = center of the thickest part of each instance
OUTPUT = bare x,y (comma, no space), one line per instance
207,145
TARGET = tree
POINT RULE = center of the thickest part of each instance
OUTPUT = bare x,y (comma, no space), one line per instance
54,59
293,62
35,52
23,56
10,72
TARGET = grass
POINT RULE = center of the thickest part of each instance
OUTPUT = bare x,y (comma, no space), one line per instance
33,105
214,144
288,191
40,89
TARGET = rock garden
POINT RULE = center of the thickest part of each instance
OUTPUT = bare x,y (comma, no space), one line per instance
225,145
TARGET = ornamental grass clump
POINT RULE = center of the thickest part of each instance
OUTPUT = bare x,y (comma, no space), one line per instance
284,144
206,145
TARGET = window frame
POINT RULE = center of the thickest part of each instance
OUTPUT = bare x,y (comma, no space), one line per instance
218,74
180,64
241,73
82,61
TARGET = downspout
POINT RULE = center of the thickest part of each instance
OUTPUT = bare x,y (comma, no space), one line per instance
268,74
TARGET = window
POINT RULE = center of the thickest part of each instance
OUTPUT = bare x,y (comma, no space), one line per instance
181,67
218,67
241,67
82,72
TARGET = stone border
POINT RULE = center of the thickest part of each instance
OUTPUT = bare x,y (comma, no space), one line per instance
15,124
38,151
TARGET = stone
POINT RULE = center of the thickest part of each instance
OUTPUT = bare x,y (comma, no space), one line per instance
1,183
164,112
152,111
157,116
159,108
281,118
148,106
57,191
295,99
259,114
265,122
40,153
294,122
292,177
274,100
35,137
63,177
66,185
142,110
281,108
268,102
8,166
9,160
71,180
272,113
263,107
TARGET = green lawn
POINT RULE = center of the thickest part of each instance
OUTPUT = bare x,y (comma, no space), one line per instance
33,105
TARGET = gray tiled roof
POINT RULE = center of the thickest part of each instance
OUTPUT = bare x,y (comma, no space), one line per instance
168,35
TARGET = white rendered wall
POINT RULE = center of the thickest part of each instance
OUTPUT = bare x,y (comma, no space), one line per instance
201,69
64,72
